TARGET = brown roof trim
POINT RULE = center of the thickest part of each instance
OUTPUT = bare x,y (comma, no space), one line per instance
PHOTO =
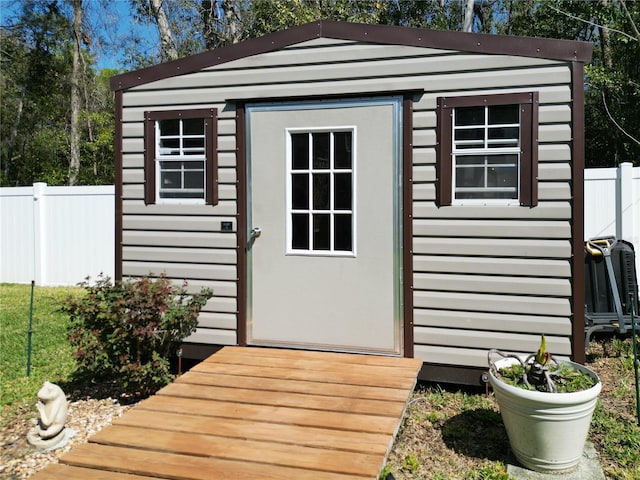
384,34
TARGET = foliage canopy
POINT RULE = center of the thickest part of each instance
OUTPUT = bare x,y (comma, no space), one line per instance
37,43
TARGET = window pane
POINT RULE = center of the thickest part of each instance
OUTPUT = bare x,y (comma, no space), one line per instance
474,137
321,191
193,126
321,150
321,232
300,151
169,127
194,180
192,165
501,114
469,116
467,177
300,231
169,146
509,135
342,238
193,146
170,179
342,149
502,177
342,193
300,191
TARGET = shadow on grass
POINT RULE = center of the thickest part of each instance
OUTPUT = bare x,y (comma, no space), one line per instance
478,433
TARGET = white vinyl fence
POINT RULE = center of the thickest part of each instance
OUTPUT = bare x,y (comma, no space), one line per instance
612,204
56,235
59,235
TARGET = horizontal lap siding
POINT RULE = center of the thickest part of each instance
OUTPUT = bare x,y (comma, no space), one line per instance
484,276
491,276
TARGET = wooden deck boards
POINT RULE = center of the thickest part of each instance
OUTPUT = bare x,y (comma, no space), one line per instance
256,413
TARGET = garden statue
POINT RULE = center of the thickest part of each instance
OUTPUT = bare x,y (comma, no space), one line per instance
52,406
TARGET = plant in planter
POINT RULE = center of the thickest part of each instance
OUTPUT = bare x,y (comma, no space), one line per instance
546,406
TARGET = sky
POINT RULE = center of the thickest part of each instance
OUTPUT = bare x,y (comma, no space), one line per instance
111,27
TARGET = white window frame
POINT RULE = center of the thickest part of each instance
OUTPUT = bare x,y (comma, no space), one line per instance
486,150
178,159
310,211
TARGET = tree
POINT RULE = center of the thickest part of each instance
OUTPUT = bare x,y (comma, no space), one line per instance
74,135
612,113
56,102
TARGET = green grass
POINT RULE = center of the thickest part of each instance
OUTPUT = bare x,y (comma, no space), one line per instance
50,353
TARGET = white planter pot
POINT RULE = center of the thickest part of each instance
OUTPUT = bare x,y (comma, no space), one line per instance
546,431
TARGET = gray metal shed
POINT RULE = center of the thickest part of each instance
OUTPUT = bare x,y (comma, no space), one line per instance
363,188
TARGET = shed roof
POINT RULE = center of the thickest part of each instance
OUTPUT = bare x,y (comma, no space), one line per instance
553,49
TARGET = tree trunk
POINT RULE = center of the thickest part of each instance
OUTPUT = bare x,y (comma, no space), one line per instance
468,16
167,45
232,19
74,154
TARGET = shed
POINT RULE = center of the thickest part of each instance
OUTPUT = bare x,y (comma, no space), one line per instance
363,188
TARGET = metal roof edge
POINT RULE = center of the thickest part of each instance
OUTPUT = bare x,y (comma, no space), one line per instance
554,49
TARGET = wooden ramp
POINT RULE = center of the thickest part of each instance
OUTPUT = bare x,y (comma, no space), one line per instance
256,413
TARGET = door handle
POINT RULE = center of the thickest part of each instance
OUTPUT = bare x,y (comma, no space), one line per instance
255,233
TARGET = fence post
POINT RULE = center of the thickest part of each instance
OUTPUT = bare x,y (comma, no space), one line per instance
625,217
39,232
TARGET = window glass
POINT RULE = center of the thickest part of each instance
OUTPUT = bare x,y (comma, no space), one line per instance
490,170
300,191
193,126
321,197
504,114
342,146
342,233
469,116
179,178
300,150
321,231
169,127
169,146
300,231
342,191
321,191
320,150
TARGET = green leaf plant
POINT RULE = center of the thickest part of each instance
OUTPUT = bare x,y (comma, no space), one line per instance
540,371
128,330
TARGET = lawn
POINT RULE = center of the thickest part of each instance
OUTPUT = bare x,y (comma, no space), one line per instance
447,432
50,354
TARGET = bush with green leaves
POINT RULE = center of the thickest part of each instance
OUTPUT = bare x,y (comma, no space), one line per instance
128,330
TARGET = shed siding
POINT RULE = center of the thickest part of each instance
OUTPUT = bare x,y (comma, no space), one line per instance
475,267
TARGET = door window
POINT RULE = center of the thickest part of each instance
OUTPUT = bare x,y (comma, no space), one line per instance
321,192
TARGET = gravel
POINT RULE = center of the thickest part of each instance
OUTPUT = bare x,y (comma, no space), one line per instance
86,416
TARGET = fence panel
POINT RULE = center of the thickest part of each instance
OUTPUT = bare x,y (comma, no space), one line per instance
17,262
59,235
612,204
56,235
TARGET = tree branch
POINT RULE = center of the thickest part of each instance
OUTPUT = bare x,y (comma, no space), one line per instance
593,24
606,108
633,24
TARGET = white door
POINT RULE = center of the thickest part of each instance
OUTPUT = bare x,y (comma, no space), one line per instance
324,251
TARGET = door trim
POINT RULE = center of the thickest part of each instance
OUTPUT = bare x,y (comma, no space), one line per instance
403,204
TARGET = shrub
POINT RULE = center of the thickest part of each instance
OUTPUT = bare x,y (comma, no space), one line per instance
128,330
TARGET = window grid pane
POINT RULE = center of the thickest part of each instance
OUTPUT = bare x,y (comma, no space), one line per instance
178,140
486,152
321,197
